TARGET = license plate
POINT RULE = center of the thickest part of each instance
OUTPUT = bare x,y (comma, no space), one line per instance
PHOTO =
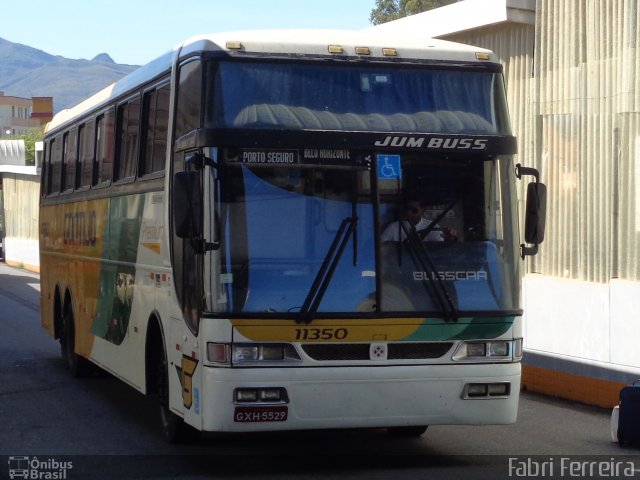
260,414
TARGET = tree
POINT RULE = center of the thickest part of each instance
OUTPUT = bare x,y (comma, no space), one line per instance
388,10
30,138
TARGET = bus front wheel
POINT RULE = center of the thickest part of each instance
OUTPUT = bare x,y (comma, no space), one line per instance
174,428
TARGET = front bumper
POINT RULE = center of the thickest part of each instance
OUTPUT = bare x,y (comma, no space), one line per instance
363,397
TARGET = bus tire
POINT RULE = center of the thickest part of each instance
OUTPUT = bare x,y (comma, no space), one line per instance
413,431
77,365
174,428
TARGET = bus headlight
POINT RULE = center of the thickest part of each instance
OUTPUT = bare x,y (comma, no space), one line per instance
498,349
272,352
258,353
476,350
490,351
250,353
245,353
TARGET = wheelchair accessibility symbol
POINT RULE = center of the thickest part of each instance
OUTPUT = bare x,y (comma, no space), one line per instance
389,167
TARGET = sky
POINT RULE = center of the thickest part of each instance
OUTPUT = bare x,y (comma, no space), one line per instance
137,31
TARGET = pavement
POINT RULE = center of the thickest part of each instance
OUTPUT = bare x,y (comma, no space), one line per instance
25,285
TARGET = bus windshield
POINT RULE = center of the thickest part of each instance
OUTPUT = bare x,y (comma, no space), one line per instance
312,240
308,96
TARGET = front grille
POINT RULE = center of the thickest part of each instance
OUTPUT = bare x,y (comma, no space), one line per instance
417,351
337,351
360,351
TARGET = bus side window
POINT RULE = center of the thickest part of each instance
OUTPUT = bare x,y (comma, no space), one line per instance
46,169
127,139
85,155
155,126
103,170
70,154
189,112
56,164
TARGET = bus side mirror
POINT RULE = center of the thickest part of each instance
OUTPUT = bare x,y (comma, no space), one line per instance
535,213
187,205
535,218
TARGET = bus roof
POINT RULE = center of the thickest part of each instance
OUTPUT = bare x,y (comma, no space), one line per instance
317,42
346,44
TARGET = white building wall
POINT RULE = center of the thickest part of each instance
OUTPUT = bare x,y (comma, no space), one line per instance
22,253
587,322
587,101
21,193
573,85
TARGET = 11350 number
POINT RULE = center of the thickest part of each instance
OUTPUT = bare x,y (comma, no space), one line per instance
303,334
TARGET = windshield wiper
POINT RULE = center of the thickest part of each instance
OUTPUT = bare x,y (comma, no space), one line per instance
423,260
328,268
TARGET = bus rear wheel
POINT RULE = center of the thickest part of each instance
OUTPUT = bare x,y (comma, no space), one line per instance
77,365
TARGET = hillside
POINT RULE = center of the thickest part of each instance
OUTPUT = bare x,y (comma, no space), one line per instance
28,72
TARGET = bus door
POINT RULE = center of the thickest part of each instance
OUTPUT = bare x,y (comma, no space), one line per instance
189,249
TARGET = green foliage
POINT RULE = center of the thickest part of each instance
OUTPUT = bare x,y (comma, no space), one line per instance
388,10
30,138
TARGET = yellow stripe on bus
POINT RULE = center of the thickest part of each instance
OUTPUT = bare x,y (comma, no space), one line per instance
328,330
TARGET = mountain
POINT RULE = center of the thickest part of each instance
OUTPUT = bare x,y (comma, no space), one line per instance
103,57
28,72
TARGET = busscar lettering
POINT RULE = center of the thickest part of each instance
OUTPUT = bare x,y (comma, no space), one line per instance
451,275
436,143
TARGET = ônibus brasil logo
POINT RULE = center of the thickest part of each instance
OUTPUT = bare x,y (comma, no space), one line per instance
38,469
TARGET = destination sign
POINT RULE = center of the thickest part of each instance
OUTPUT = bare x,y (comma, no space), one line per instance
326,154
269,157
282,157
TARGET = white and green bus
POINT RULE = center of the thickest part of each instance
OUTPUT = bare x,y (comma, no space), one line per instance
212,234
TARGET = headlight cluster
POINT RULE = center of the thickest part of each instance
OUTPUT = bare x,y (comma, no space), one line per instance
250,353
489,350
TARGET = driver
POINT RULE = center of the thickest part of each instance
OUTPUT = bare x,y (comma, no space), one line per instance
414,216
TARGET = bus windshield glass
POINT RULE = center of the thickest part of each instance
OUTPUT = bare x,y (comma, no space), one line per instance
309,240
309,96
